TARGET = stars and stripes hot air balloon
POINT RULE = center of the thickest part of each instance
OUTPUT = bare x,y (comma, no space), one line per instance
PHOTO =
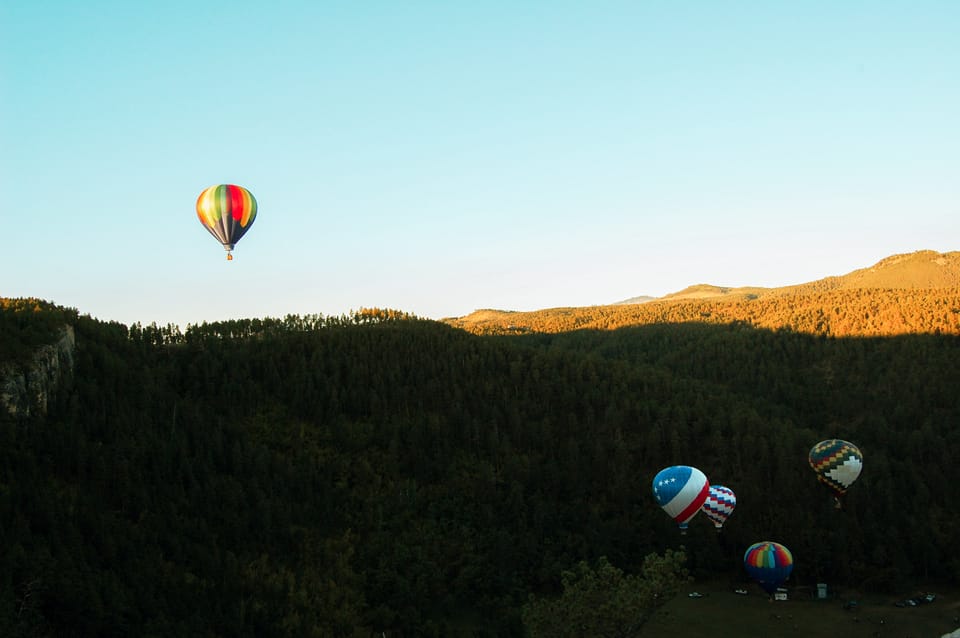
719,505
837,464
681,490
227,211
769,564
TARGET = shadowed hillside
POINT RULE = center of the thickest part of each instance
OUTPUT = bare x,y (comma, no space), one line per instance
380,473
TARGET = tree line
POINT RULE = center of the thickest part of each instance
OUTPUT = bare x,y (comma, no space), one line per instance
379,472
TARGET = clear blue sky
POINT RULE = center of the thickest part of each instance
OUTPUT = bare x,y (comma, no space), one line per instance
440,157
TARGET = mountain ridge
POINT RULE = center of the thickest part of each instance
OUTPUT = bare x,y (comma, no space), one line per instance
910,293
918,269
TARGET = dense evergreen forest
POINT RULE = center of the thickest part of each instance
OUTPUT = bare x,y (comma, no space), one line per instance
382,474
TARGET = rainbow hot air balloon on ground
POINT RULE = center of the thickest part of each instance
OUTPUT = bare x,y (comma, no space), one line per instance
769,564
719,505
227,211
837,464
680,490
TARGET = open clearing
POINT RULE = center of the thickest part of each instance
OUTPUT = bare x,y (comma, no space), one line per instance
723,614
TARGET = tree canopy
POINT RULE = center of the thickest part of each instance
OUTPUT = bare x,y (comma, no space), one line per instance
383,473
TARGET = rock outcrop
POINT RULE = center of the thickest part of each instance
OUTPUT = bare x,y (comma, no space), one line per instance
27,389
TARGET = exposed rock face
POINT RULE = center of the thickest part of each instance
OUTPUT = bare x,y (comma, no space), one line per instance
26,390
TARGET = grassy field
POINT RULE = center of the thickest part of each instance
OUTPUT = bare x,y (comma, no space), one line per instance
724,614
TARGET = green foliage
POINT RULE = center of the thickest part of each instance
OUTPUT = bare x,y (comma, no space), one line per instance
602,601
384,474
26,324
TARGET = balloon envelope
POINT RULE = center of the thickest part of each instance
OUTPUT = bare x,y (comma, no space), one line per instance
837,464
227,211
680,490
719,504
769,564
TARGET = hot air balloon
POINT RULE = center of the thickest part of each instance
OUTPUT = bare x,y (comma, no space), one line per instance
837,464
681,490
227,211
719,505
769,564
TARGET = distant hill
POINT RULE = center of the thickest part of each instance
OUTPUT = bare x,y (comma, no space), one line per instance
911,293
632,300
920,269
706,291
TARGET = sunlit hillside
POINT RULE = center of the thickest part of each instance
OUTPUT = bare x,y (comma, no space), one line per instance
916,293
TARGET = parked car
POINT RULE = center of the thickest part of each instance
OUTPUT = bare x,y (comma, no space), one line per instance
696,594
742,592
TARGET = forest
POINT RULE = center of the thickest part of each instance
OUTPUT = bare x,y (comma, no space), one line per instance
382,474
876,312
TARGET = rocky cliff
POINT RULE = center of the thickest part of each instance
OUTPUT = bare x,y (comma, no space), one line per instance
27,389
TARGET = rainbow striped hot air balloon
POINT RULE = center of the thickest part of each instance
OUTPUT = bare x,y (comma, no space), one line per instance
769,564
837,464
681,490
719,505
227,211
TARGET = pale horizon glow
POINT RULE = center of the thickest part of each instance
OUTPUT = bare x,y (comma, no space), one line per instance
438,158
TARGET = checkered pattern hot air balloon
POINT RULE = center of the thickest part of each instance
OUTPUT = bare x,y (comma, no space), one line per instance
681,490
837,464
227,212
719,505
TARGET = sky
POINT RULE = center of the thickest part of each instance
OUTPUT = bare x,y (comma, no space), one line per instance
440,157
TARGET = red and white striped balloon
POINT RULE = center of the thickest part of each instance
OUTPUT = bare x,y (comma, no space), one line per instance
719,505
